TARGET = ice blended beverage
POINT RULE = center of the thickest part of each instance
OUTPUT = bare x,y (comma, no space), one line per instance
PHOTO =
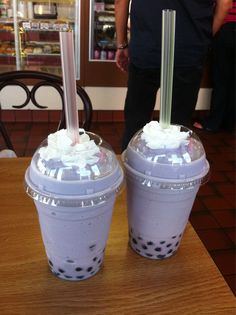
74,189
164,170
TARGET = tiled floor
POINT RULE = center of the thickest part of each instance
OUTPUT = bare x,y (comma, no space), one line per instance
213,215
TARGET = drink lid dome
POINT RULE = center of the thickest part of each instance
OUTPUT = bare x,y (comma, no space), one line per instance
57,167
175,153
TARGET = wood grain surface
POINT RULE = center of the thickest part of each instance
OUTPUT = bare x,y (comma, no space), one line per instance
187,283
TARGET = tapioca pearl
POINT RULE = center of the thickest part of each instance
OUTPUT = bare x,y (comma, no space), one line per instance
176,244
92,272
80,277
174,236
144,246
137,250
134,241
99,261
68,277
89,269
70,261
150,243
95,258
148,255
168,245
78,269
162,242
61,270
158,249
170,251
161,256
180,235
92,247
140,238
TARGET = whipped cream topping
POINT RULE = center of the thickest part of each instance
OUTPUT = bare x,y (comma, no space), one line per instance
60,148
157,137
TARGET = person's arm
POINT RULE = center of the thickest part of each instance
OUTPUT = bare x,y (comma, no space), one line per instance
121,15
222,7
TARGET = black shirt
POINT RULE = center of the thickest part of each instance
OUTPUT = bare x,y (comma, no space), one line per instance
193,31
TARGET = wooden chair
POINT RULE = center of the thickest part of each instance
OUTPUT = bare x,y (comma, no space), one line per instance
37,81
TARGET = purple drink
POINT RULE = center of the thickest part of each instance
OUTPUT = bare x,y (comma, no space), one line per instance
74,190
164,170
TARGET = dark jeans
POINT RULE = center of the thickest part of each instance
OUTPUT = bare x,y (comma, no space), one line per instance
222,111
141,97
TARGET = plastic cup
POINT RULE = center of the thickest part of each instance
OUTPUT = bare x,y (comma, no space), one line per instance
161,188
74,199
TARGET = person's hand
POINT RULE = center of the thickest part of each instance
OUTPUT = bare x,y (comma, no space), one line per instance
122,59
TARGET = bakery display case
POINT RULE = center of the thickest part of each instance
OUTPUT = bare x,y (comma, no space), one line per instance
40,45
29,38
101,43
29,34
102,31
7,45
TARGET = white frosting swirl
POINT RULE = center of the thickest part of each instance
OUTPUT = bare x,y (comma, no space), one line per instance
157,137
60,148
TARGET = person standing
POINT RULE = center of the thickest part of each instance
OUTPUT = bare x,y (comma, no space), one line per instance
223,100
141,57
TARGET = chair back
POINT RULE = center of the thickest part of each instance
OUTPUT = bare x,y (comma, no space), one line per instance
38,80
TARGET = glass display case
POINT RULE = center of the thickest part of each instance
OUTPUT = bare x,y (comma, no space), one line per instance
29,38
7,36
29,34
40,43
101,43
102,30
7,44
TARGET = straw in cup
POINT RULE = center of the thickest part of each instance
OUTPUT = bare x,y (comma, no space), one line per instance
167,65
69,84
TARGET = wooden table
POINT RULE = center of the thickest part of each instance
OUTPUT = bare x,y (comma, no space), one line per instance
187,283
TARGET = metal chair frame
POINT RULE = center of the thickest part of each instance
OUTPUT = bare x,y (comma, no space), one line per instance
17,78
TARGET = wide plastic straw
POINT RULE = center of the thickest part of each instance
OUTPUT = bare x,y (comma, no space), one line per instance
69,84
167,66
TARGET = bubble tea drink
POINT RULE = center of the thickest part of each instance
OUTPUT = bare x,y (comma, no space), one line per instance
74,189
164,170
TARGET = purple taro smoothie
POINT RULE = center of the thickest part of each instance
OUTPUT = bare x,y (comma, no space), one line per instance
164,170
74,190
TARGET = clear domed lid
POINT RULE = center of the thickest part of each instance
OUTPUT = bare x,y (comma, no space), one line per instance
178,145
90,159
59,169
175,152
